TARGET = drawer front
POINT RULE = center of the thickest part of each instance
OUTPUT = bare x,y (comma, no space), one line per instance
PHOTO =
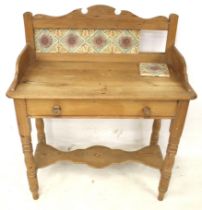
99,108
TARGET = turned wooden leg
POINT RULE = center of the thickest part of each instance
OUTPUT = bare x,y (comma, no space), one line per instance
25,134
40,130
176,129
155,132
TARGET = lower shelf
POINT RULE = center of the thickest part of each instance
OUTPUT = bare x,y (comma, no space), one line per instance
98,156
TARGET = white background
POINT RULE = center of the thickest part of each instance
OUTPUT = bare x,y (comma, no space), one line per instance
125,186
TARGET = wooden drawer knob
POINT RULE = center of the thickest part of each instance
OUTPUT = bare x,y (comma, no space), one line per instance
56,109
147,111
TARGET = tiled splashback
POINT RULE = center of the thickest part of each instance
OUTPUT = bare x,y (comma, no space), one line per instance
87,41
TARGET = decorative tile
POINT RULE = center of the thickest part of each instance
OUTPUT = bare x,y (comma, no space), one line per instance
69,41
154,69
87,41
98,42
46,41
126,41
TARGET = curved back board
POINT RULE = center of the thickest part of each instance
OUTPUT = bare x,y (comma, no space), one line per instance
97,20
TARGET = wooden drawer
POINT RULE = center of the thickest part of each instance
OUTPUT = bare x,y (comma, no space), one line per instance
105,108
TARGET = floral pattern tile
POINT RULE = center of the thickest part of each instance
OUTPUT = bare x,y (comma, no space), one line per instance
46,41
87,41
154,69
126,41
98,42
69,41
